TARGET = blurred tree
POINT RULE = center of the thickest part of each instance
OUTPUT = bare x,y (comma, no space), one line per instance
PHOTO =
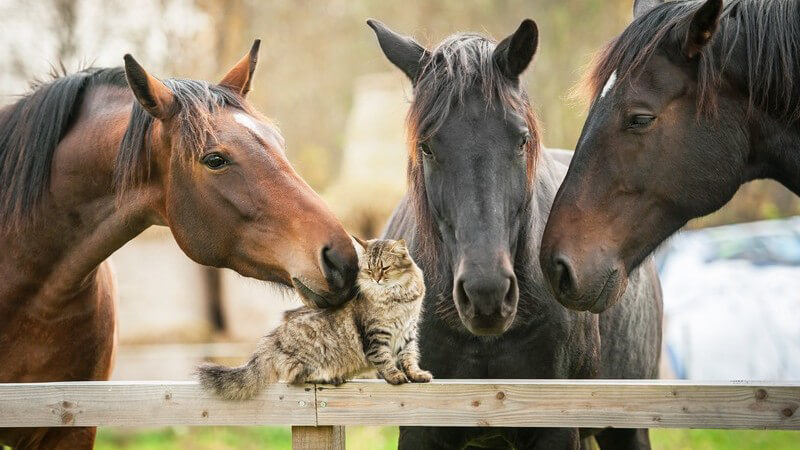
64,23
313,52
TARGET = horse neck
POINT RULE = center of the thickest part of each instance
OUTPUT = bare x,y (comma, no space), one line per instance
81,222
773,147
775,151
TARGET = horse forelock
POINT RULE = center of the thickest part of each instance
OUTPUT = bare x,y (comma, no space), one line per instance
31,129
767,30
456,66
198,102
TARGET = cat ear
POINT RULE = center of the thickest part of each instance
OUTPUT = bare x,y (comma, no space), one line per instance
400,246
360,242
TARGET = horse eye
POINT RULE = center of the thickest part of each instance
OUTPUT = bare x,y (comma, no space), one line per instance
215,161
425,149
640,121
524,142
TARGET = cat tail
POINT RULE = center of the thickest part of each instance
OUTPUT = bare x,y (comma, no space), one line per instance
234,383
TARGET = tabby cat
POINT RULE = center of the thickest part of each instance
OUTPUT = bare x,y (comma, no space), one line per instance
375,330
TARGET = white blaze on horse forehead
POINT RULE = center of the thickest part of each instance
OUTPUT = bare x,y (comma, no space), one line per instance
609,84
248,122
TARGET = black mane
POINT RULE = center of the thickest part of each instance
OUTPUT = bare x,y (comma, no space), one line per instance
31,129
757,45
459,64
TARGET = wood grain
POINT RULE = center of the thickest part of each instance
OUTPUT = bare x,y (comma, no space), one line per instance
509,403
147,403
318,438
567,403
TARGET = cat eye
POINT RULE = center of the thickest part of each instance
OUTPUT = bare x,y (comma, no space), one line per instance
215,161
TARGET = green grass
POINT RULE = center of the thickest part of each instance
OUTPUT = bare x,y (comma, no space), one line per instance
724,439
385,438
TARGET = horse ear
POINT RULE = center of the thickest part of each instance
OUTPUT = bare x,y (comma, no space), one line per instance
240,76
704,24
155,97
514,53
642,7
403,51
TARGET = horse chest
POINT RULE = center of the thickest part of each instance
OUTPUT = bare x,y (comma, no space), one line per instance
528,352
76,344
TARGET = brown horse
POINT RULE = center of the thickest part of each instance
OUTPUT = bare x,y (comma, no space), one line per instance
88,161
692,100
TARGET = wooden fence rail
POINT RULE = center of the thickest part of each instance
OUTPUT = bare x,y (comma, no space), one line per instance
318,411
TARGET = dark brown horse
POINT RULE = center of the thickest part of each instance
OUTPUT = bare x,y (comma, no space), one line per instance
692,100
90,160
480,190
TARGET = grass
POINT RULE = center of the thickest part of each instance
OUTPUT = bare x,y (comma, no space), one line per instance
385,438
724,439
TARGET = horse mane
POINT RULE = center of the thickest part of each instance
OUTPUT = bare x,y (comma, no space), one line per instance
197,101
459,64
31,129
757,44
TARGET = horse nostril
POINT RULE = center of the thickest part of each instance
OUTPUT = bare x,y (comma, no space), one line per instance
486,297
512,295
333,267
564,277
460,296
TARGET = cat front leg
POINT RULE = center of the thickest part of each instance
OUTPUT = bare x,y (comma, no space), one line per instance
336,381
409,360
379,354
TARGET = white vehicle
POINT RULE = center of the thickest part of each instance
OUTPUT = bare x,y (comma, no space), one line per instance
732,301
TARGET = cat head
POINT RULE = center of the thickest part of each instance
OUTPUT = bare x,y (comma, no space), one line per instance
383,261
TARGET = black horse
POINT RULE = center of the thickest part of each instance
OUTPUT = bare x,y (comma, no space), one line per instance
480,190
692,100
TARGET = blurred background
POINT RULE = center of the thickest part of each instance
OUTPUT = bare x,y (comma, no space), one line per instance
732,282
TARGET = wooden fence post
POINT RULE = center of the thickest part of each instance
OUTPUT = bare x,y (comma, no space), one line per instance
318,438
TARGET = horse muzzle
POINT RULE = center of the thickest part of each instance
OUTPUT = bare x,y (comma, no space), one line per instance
593,287
486,296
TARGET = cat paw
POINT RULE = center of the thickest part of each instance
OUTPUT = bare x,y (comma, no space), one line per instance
420,376
395,377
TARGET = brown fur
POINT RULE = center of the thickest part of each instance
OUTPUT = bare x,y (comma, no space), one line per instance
376,330
85,167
